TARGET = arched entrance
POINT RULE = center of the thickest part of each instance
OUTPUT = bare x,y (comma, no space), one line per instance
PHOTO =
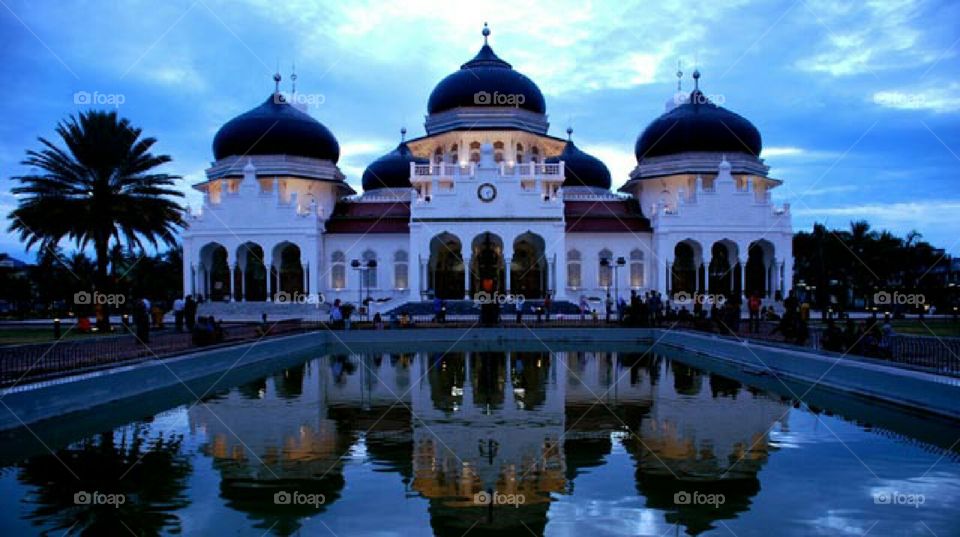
722,270
288,272
759,269
253,273
215,276
487,268
528,269
445,270
684,272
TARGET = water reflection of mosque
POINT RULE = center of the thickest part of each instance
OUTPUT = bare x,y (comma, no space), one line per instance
514,423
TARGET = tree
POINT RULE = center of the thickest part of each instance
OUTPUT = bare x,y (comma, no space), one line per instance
101,189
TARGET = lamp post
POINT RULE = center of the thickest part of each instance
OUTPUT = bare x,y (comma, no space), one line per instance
362,267
616,266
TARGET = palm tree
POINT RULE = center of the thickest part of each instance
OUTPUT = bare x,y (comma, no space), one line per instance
100,189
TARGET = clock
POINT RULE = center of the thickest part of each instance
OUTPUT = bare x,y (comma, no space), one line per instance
486,192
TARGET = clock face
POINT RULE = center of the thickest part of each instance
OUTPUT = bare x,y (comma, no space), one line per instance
486,192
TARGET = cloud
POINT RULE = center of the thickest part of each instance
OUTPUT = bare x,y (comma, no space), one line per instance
621,161
866,37
938,99
781,152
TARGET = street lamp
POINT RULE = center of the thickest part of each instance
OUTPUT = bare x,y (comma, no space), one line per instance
362,267
620,262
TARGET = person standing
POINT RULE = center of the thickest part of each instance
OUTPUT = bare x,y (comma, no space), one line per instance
178,308
141,319
754,306
547,302
609,306
190,313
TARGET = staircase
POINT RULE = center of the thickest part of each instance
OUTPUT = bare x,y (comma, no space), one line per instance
252,311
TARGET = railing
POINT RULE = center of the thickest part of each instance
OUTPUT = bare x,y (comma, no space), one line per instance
440,170
531,169
22,363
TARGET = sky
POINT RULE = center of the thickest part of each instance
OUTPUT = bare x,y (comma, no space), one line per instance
857,102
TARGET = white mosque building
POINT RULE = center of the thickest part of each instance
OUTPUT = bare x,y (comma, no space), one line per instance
487,200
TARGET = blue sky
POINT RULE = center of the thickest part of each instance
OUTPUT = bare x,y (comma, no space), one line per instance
858,103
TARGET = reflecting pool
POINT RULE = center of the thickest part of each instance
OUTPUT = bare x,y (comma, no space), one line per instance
486,442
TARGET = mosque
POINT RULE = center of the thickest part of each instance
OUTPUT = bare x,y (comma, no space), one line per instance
487,200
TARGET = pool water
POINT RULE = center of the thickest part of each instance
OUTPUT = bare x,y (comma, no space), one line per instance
489,443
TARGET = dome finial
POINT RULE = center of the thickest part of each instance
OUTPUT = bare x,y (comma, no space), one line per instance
569,133
679,77
293,78
485,32
403,134
696,79
276,81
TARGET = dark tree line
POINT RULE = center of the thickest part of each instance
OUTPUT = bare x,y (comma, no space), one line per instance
49,287
847,268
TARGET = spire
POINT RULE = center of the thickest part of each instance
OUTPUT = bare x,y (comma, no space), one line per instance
403,134
679,77
293,78
696,80
569,134
276,82
485,32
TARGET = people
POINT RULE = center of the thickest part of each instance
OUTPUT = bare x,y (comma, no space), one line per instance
583,307
754,306
547,302
437,309
178,307
336,315
608,303
377,321
141,320
190,312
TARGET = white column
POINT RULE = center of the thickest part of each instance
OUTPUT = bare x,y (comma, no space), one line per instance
305,269
706,276
231,283
507,261
743,277
243,285
466,278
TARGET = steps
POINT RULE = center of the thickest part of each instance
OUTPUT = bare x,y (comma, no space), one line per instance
252,311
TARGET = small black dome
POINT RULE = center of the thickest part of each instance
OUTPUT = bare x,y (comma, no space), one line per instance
582,169
486,73
391,170
275,128
698,125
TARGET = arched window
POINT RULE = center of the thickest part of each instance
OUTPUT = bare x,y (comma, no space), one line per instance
474,151
636,268
338,270
534,154
370,274
519,153
498,151
400,270
605,272
573,269
454,154
438,155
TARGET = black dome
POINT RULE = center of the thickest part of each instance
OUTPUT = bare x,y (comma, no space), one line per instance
391,170
485,73
698,125
582,169
275,128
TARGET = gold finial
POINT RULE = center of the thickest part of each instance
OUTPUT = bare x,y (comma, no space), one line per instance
485,32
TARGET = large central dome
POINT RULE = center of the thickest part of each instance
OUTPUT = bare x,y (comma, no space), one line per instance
698,125
275,128
486,80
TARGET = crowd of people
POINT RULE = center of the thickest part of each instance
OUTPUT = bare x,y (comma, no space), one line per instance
870,337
